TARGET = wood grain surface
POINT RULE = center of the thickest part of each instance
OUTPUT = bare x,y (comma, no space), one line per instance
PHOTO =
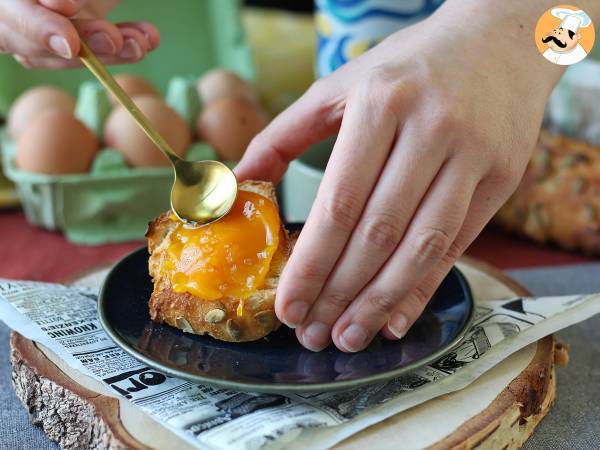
77,413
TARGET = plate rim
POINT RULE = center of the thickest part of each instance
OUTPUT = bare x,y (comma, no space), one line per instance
280,388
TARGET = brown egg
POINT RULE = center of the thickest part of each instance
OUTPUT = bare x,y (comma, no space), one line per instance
229,124
35,101
219,83
122,133
134,86
56,142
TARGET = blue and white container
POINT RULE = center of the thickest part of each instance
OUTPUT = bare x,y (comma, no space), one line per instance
348,28
345,30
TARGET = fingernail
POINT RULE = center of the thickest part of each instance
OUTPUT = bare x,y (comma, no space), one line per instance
295,314
23,61
316,336
354,338
131,50
101,42
398,325
60,46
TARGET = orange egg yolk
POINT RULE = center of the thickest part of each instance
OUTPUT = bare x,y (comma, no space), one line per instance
228,258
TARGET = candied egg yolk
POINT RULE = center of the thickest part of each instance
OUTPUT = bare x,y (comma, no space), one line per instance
228,258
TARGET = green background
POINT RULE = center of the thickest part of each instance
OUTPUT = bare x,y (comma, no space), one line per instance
195,36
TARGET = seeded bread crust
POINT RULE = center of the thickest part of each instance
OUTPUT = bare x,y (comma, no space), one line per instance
558,199
217,318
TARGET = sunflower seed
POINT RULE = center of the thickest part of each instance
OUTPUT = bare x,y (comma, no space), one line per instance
184,325
234,330
257,302
266,318
214,315
271,282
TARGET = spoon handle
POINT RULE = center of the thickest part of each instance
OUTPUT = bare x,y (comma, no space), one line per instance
99,70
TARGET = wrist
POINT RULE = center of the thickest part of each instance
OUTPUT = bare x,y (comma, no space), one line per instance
507,30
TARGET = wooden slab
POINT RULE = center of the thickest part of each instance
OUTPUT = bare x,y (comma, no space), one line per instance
500,410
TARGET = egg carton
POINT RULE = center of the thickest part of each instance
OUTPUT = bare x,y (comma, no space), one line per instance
112,202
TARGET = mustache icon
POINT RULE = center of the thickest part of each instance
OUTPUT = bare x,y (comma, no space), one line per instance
556,41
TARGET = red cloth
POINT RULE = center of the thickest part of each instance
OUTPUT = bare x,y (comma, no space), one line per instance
32,253
509,252
28,252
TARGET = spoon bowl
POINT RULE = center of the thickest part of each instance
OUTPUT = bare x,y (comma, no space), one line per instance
203,191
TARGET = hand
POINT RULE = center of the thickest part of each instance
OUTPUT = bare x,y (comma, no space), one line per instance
46,33
435,127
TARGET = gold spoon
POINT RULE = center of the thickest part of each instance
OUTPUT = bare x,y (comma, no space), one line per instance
203,191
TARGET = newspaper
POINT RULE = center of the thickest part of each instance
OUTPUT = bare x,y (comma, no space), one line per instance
64,319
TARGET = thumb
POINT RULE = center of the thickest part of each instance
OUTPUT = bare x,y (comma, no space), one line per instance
82,9
67,8
313,117
41,27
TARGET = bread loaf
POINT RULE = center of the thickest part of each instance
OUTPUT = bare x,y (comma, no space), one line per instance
219,318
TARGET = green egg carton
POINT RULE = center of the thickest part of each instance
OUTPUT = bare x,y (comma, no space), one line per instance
112,202
196,35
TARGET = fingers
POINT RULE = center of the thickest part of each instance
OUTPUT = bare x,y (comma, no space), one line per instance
81,8
45,31
129,41
135,44
399,191
150,32
360,152
120,44
103,37
65,8
428,239
312,118
485,202
39,34
97,8
411,307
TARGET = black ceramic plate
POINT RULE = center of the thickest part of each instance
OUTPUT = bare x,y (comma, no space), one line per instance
277,363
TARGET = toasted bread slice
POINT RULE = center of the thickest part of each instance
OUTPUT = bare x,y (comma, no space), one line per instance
217,318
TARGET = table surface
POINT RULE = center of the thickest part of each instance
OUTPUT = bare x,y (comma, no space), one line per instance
31,253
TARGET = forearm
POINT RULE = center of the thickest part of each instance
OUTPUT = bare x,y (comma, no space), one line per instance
524,14
510,25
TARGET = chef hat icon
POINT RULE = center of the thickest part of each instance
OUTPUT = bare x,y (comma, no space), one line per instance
570,19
